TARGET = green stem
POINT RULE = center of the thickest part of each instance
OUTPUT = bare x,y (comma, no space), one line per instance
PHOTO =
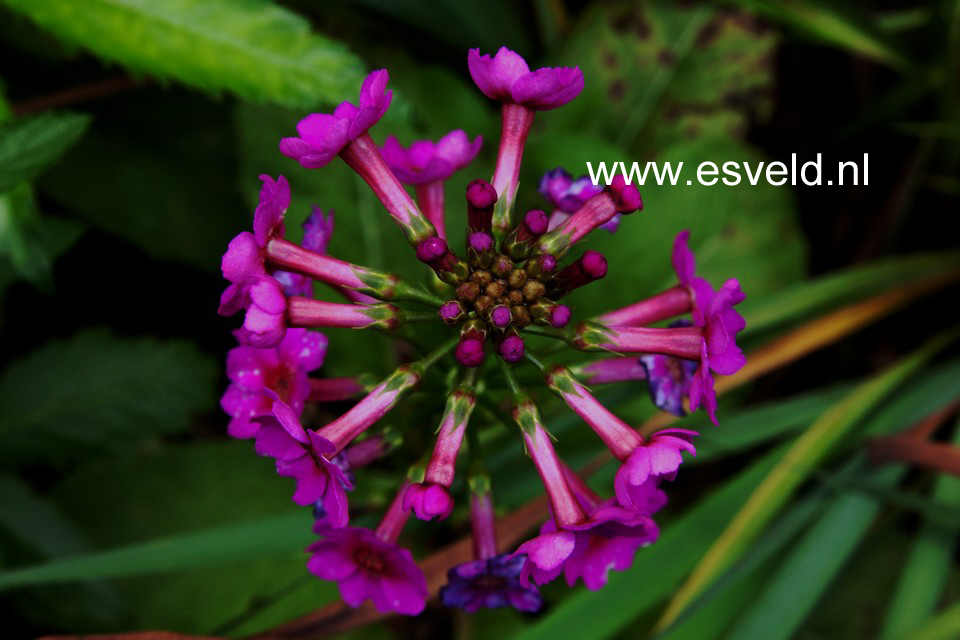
431,358
511,379
536,361
410,317
546,332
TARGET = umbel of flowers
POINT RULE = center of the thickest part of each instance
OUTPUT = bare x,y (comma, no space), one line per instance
507,279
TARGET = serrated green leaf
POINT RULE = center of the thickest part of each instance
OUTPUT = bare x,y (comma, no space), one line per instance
96,393
252,48
30,144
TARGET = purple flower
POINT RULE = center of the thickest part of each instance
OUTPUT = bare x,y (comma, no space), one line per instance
669,380
567,195
282,369
300,454
489,584
323,136
427,161
265,304
366,566
657,458
507,78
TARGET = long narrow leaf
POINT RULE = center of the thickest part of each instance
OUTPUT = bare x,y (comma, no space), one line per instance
785,601
804,455
928,564
233,543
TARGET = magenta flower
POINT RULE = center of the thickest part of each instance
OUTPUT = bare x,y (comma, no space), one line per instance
282,369
262,297
305,456
431,498
426,161
323,136
427,164
370,565
507,78
657,458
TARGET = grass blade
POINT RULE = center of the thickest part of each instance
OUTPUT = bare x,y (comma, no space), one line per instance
804,455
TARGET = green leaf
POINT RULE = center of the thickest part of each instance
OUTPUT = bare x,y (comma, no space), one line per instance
928,564
806,452
30,144
193,498
95,393
252,48
778,609
835,23
945,626
659,73
229,544
36,522
845,287
172,190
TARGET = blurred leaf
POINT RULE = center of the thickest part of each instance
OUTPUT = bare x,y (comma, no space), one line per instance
945,626
849,285
253,48
30,144
810,566
805,454
659,73
95,393
928,564
488,24
836,23
27,147
170,190
36,522
205,502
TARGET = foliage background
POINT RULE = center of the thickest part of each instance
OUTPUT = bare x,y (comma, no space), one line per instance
131,136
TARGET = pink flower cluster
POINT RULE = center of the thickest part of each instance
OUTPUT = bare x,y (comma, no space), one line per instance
504,286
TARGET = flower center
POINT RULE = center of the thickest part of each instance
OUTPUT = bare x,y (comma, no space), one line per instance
486,581
368,559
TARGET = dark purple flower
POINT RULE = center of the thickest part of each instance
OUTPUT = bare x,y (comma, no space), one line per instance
301,454
282,369
427,161
323,136
366,566
490,584
669,380
507,78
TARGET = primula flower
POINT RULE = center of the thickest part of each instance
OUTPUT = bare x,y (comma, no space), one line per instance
566,195
369,564
509,277
301,454
282,369
427,164
492,579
